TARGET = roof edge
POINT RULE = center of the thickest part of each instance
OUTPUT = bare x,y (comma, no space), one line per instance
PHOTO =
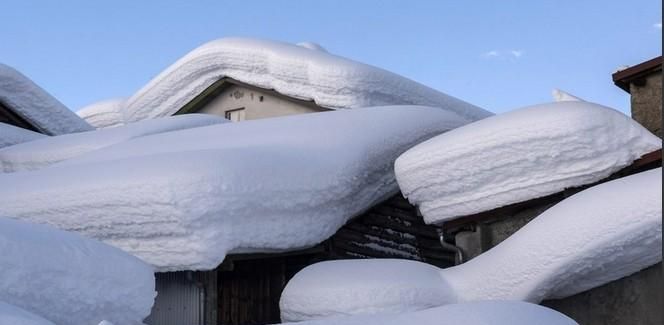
623,78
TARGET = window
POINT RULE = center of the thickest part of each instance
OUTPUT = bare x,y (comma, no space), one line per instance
235,115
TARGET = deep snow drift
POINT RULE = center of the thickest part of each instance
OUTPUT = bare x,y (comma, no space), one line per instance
476,313
517,156
104,114
11,135
181,200
12,315
49,150
69,279
596,236
36,106
297,71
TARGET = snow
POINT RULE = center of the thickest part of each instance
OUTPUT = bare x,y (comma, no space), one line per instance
476,313
69,279
596,236
517,156
32,103
12,315
312,46
375,286
11,135
182,200
298,71
562,96
104,114
43,152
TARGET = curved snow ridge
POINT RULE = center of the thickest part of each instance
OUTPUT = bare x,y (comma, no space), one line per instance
49,150
475,313
406,286
329,80
610,231
182,200
104,114
518,156
36,106
11,135
70,279
12,315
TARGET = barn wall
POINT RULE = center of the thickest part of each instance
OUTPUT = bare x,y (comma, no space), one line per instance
245,289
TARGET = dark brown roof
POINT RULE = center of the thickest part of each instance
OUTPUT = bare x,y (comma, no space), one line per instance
623,78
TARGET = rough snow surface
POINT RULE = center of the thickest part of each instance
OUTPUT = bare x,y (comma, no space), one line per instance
182,200
11,135
589,239
562,96
404,286
104,114
475,313
69,279
518,156
32,103
49,150
12,315
297,71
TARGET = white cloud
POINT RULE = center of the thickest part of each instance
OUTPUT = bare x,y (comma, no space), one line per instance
514,54
491,54
657,25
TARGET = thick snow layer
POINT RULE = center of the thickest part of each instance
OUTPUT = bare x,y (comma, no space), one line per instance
517,156
69,279
562,96
475,313
43,152
297,71
104,114
405,286
11,135
182,200
12,315
29,101
591,238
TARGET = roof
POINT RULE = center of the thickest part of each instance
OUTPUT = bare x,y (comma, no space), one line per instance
623,78
35,106
306,73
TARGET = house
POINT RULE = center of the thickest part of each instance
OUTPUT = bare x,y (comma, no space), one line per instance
242,78
533,178
644,83
227,223
26,105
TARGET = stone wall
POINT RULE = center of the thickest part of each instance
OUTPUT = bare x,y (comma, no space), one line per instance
647,102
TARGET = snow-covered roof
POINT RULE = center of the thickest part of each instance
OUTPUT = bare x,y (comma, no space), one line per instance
104,114
12,315
474,313
11,135
520,155
69,279
49,150
32,103
182,200
596,236
304,72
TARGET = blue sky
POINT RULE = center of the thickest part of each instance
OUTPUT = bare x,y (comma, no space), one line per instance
499,54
